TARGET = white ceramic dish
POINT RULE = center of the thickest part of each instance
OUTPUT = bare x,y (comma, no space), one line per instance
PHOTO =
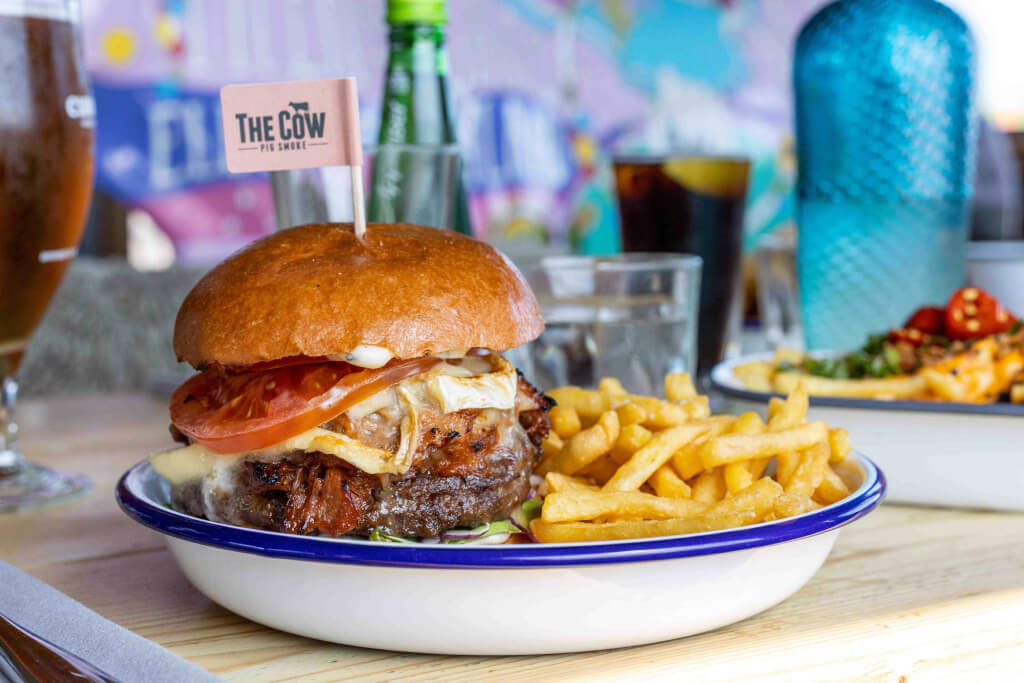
998,268
933,453
498,600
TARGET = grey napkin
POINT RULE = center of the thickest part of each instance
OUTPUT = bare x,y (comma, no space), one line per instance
52,615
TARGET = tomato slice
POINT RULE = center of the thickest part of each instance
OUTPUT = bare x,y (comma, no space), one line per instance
927,319
285,362
235,413
973,313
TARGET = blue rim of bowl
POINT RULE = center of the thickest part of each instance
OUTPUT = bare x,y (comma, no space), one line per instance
352,551
725,381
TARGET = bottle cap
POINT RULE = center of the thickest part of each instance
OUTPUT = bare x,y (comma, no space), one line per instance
417,12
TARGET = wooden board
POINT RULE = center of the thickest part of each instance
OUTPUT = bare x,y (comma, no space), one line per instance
906,591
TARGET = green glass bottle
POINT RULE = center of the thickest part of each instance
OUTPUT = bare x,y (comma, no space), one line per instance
415,111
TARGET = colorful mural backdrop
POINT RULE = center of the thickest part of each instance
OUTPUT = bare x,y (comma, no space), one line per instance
545,92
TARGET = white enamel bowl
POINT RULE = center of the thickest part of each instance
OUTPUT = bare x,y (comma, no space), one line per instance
499,599
933,452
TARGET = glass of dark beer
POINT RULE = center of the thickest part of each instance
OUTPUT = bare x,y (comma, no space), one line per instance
47,118
690,205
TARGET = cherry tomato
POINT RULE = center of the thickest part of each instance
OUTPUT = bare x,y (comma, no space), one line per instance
912,336
928,319
973,313
235,413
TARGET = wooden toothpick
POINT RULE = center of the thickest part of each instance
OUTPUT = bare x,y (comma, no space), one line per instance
358,203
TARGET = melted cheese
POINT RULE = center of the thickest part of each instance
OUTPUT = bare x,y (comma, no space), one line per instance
455,353
196,461
382,400
473,383
187,464
492,390
366,356
373,357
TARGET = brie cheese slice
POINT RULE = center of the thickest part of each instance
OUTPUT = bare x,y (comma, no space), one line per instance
196,461
473,383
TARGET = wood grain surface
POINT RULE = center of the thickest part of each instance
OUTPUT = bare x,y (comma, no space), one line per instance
915,593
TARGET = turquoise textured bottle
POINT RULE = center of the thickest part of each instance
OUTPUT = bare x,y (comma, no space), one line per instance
886,137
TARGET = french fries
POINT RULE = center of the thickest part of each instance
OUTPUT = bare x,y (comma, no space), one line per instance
789,413
556,481
889,388
986,369
632,438
687,460
748,423
630,414
736,447
785,465
832,488
651,456
617,465
666,482
572,532
759,497
601,470
565,422
737,476
757,466
679,387
575,504
756,376
838,444
657,414
791,505
973,376
588,445
709,486
550,447
612,390
1017,390
589,405
810,471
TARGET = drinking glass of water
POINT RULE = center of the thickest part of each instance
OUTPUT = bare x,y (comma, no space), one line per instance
778,299
630,316
405,184
695,205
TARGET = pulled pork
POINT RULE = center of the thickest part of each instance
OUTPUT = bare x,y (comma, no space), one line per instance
470,467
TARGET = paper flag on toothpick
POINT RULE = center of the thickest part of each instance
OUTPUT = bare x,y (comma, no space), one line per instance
295,124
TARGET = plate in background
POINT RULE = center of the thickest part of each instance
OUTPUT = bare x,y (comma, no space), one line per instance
933,452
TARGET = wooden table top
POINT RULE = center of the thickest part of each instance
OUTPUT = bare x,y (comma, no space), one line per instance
907,591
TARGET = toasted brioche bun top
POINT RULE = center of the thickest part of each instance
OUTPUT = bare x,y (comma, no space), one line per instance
317,290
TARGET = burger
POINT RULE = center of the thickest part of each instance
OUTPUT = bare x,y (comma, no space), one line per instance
353,386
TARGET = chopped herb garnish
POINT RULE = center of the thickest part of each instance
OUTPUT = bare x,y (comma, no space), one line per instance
874,344
877,358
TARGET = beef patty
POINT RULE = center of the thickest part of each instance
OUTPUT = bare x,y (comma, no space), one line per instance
471,467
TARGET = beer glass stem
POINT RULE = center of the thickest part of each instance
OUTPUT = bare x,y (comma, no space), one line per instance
11,459
24,483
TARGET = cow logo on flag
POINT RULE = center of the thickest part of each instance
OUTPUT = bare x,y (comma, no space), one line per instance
295,124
